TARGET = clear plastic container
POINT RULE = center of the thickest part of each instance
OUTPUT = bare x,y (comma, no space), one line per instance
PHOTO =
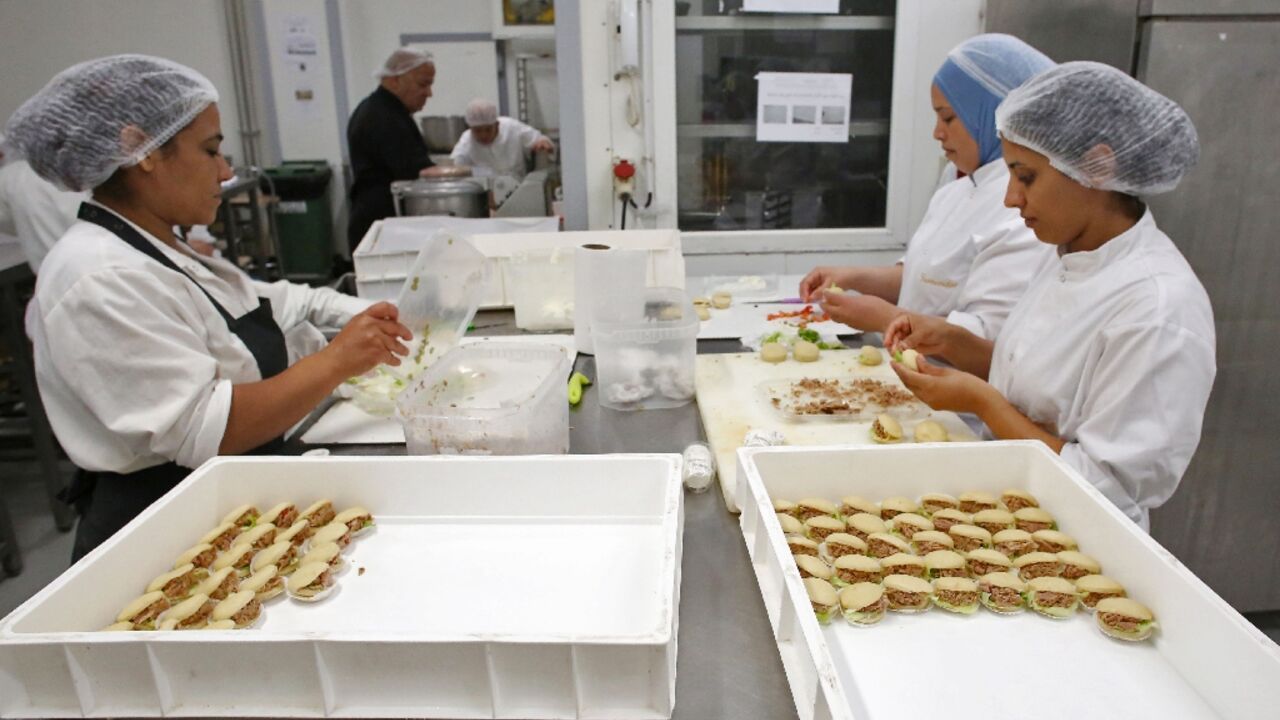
647,363
542,288
440,296
492,398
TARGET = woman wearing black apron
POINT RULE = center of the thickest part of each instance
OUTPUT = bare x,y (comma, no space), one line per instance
151,359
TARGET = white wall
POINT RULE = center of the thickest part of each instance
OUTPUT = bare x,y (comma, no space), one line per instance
40,39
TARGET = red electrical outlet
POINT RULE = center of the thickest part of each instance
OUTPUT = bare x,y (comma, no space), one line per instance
623,177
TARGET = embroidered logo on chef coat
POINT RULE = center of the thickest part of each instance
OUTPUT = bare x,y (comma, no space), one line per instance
937,281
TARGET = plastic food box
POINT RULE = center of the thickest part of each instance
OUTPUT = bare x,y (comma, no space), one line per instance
1205,660
541,283
648,362
493,398
475,601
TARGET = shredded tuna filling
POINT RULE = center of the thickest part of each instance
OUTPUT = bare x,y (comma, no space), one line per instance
287,558
820,533
321,518
323,581
205,559
1051,547
908,531
804,550
1005,597
968,544
1015,504
973,506
1091,599
1074,572
803,513
949,572
150,612
934,506
912,570
179,586
944,524
818,608
881,549
903,599
223,541
858,534
228,586
992,528
875,607
248,613
1014,548
960,598
1122,623
980,568
266,540
840,551
286,518
198,617
357,523
1030,526
248,518
1035,570
886,514
1054,599
857,576
927,547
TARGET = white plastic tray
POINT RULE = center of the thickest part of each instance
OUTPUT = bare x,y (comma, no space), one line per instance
1206,661
494,587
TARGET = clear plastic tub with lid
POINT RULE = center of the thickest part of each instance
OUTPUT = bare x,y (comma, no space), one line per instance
646,363
492,398
542,288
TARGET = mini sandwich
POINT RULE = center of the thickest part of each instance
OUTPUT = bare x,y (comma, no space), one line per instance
863,603
957,595
202,556
311,582
907,594
323,552
1124,619
784,507
947,518
245,515
264,584
318,514
931,431
1016,499
143,612
219,584
927,541
854,504
1003,593
821,526
908,524
931,503
1033,519
814,507
894,506
869,355
282,516
801,545
334,532
177,583
969,537
864,525
296,534
994,520
189,614
125,626
886,430
1094,589
944,563
220,625
790,525
1038,565
976,501
259,536
822,598
882,545
840,544
1053,541
239,557
903,564
1076,565
282,556
1052,597
222,536
852,569
810,566
1014,543
357,518
985,560
242,608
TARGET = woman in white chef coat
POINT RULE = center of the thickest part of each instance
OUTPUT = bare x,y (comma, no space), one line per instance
151,359
971,258
1109,356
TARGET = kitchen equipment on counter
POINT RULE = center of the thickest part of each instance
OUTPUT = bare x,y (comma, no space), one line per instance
458,197
442,132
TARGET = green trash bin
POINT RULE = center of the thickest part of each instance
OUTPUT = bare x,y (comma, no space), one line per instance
303,219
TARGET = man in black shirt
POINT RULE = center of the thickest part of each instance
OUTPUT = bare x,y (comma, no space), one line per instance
384,141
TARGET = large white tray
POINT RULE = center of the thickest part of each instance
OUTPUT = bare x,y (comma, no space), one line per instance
1206,661
494,587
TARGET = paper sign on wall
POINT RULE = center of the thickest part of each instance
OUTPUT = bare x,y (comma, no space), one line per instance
803,107
829,7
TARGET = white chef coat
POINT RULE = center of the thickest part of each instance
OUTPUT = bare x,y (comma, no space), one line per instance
1113,351
504,156
134,364
972,257
35,211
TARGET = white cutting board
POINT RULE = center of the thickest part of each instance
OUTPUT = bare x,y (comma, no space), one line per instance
749,320
345,424
730,404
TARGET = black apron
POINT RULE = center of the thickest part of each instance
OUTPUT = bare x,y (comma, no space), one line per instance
107,501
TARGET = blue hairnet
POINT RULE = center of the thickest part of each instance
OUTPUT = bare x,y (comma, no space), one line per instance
976,77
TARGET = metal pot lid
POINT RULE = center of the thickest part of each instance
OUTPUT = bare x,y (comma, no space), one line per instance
438,187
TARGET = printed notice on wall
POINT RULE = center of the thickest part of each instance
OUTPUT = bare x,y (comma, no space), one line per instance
803,107
829,7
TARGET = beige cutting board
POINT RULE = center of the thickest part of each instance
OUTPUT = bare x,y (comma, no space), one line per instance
730,403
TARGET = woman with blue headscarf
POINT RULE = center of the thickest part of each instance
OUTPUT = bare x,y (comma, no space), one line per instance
971,258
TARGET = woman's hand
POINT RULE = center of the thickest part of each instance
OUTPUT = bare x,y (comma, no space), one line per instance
370,339
946,388
823,277
927,334
864,312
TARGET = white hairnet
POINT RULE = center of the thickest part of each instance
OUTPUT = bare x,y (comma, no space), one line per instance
1073,113
481,112
104,114
402,61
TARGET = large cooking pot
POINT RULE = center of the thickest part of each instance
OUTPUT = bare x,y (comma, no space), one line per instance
442,132
459,197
